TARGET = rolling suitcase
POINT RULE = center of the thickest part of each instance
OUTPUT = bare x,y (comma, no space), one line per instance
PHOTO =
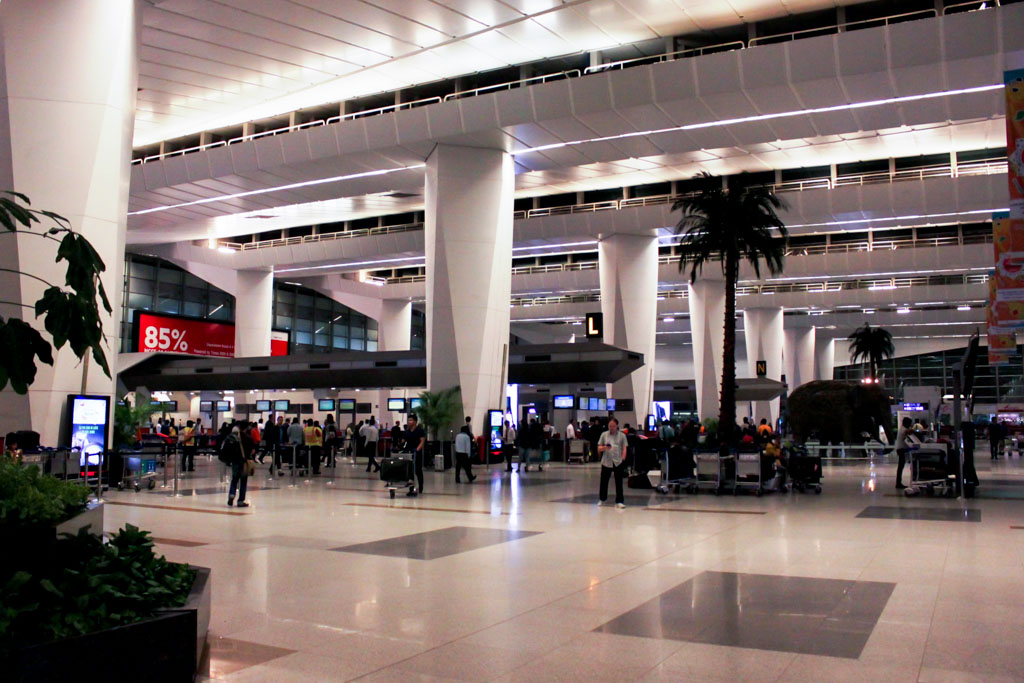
439,463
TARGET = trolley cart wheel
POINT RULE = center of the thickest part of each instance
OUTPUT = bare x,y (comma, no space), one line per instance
137,487
817,490
392,492
120,486
152,484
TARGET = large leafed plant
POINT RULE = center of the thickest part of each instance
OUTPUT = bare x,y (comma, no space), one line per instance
70,311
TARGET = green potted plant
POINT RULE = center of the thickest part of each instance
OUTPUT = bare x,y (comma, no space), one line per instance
438,411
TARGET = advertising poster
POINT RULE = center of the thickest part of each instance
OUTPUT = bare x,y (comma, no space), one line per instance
1008,231
89,426
1002,341
173,334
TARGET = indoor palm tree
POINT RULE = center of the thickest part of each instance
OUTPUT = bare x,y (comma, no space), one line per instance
873,344
730,226
439,410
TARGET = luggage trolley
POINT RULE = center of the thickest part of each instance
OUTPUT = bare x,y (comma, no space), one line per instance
140,467
748,472
804,471
677,472
713,471
929,471
398,472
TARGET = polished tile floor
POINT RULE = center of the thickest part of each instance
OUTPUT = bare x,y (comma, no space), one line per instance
330,580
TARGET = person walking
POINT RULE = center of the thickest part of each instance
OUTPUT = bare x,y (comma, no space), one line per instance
612,447
905,440
415,443
463,447
239,440
330,439
508,440
188,447
370,435
995,438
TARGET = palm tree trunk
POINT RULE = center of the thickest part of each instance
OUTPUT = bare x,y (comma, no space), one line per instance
727,404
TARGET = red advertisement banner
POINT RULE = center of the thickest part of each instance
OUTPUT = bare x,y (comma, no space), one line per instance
182,335
279,342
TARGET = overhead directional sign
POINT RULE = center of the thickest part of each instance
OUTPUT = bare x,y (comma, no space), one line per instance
595,326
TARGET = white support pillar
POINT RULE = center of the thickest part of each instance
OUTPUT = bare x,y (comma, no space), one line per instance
394,325
628,268
254,302
468,241
68,72
799,356
825,358
707,319
762,330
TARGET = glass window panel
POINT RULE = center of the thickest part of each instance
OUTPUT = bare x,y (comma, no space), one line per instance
143,301
321,340
192,281
340,330
286,296
323,303
168,306
282,321
356,344
341,342
194,309
304,312
143,270
371,335
139,286
171,276
371,346
304,325
303,338
371,324
356,333
304,300
284,309
197,294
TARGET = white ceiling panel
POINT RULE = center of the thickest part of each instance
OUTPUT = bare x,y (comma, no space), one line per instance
209,64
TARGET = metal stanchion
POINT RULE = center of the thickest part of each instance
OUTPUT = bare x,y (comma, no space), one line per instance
174,458
166,464
99,476
334,464
295,461
309,465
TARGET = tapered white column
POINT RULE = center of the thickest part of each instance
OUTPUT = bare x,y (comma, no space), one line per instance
707,320
799,356
629,304
394,325
67,104
468,239
762,330
254,304
825,358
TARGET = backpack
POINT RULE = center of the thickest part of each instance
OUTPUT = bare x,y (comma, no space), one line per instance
228,453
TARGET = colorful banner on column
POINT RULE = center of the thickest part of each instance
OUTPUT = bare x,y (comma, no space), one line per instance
1006,287
1002,341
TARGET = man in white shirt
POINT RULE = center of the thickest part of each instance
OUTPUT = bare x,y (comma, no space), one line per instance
463,446
612,447
369,434
905,440
570,432
508,440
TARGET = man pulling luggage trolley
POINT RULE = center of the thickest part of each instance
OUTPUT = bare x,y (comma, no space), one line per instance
399,470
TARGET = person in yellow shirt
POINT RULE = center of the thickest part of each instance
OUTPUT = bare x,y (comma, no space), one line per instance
313,437
188,447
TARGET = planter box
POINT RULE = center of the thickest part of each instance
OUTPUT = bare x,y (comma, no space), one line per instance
33,545
166,647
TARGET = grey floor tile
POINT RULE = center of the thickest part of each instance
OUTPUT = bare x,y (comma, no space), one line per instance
634,500
935,514
783,613
431,545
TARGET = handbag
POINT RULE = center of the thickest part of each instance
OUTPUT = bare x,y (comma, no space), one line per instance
250,468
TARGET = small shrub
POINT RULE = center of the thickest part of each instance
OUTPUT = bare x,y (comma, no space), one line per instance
30,498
